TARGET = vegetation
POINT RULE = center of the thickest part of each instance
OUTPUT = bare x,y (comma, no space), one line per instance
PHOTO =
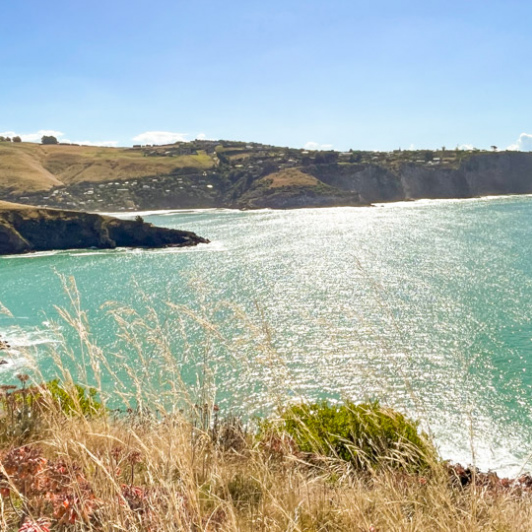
74,399
27,168
290,177
138,473
365,435
49,139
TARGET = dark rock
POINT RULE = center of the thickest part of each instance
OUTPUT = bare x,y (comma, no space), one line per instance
24,229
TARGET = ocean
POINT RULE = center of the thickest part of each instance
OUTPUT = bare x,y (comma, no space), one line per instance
423,306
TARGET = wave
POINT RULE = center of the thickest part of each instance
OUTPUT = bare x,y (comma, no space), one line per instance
25,346
217,246
437,201
167,212
20,338
200,248
33,255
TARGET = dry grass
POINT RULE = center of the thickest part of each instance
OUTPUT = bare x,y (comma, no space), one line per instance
141,475
28,167
7,206
291,177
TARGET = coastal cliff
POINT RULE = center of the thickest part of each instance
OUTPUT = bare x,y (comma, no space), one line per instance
24,229
474,175
230,174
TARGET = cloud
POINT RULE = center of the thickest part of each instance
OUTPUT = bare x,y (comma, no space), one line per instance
313,146
103,143
59,135
523,143
33,137
161,137
466,147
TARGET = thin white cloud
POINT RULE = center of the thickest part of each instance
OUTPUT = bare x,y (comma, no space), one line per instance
523,143
466,147
102,143
33,137
202,136
313,146
59,135
160,137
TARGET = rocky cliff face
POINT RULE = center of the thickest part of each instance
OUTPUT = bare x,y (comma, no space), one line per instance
24,229
478,175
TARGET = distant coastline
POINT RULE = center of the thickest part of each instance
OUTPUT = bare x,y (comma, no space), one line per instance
239,175
219,210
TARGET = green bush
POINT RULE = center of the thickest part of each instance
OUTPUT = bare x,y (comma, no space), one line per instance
78,400
22,410
366,435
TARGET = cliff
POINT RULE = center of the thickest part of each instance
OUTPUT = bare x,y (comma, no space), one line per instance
24,229
202,174
475,175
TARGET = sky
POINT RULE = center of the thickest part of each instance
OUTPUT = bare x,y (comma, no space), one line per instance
341,74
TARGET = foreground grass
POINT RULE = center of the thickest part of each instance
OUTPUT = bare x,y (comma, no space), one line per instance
66,465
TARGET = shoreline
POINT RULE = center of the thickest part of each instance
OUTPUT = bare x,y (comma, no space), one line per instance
389,204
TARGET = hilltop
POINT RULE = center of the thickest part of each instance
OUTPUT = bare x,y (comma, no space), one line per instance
232,174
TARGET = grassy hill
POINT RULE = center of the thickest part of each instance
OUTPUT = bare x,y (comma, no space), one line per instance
28,167
205,173
196,174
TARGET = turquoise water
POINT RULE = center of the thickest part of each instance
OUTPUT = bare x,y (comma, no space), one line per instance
425,306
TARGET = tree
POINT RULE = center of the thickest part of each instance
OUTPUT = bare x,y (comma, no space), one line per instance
48,139
355,157
494,148
326,157
17,139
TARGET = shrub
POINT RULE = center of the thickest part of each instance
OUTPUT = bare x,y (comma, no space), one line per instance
366,435
23,410
77,400
49,139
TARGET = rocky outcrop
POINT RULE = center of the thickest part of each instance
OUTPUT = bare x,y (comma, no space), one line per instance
302,199
24,229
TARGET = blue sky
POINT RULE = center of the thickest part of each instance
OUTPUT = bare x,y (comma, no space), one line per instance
355,74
